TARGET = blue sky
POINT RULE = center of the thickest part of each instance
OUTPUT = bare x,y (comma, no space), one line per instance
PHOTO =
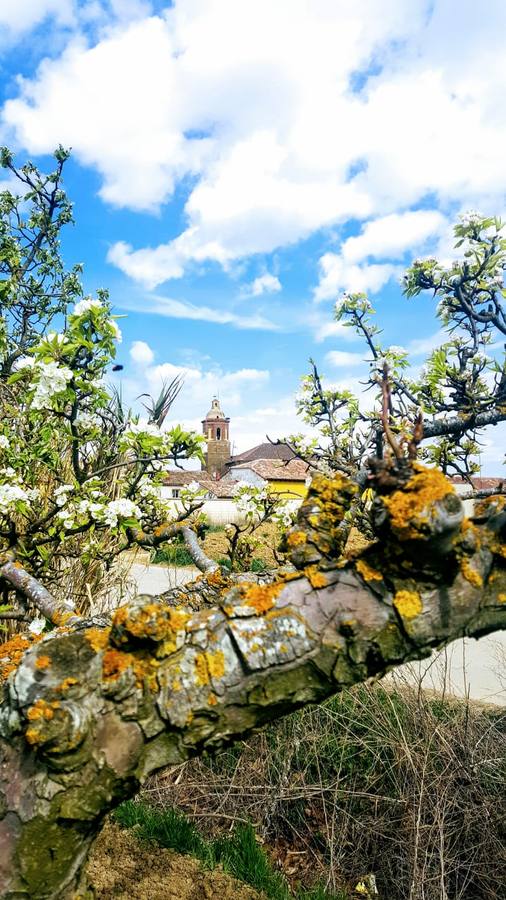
237,164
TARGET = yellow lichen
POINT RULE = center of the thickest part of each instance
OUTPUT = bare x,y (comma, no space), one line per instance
367,572
408,604
316,578
501,598
471,575
66,683
32,736
209,665
296,538
410,506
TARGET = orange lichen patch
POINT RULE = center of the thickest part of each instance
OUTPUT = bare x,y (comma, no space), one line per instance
115,662
470,574
41,710
496,500
59,618
12,652
209,665
66,683
367,572
212,700
98,638
296,538
42,662
316,578
155,621
261,596
217,579
408,604
411,505
32,735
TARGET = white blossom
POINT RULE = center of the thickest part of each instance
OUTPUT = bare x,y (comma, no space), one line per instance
86,304
120,509
4,442
37,625
397,350
52,380
10,494
143,428
24,362
88,421
117,332
471,217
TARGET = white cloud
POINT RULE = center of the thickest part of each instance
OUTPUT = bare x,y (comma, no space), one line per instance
252,102
234,388
178,309
21,16
264,284
386,238
337,275
141,353
323,328
424,346
390,236
343,359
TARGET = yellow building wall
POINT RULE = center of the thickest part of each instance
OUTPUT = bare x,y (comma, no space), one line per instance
289,489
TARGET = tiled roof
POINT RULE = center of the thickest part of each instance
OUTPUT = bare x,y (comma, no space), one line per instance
480,484
275,469
178,477
220,488
264,451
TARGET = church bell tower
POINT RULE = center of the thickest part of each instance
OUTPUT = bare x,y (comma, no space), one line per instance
215,428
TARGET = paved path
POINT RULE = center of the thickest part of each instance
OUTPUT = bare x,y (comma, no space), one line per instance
157,579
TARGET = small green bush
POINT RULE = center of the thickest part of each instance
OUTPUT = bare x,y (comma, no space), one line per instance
173,555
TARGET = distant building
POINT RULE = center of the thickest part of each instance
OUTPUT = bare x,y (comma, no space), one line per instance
215,428
267,463
290,478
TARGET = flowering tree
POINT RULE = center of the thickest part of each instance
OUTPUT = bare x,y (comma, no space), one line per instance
91,707
442,410
80,479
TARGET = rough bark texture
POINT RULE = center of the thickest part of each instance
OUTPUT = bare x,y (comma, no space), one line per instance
90,711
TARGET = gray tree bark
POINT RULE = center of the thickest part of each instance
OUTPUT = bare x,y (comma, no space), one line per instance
89,711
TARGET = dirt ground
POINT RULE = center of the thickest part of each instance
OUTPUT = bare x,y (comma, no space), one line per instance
126,869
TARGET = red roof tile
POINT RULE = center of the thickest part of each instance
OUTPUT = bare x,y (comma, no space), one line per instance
275,469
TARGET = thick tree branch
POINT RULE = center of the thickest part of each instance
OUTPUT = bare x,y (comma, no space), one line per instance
89,713
24,583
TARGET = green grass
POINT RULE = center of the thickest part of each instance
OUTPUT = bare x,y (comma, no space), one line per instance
239,854
173,555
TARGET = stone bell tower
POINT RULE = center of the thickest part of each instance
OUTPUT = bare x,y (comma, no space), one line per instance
215,427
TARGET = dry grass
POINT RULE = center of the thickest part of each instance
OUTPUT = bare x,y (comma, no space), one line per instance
395,782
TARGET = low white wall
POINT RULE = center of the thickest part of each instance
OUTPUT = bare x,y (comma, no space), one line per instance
219,512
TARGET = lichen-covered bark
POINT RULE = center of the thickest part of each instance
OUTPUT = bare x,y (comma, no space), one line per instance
88,713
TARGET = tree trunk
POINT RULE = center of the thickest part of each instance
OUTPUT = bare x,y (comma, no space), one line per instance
90,711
